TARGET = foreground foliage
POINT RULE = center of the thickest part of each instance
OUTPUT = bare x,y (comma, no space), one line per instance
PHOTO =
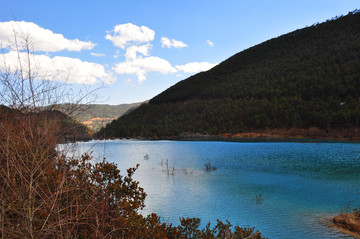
47,195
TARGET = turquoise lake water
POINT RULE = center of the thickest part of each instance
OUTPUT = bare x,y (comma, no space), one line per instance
285,190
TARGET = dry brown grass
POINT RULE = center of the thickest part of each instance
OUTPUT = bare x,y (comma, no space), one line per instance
348,223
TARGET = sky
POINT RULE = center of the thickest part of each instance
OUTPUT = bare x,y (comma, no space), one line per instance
134,50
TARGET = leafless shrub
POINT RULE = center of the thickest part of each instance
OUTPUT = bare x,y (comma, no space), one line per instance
32,181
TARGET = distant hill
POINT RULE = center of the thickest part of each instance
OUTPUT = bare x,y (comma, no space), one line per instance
309,78
68,128
96,116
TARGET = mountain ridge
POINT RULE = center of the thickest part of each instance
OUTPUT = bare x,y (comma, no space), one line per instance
306,78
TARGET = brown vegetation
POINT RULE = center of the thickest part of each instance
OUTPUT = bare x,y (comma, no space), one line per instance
46,195
348,223
93,123
352,134
89,122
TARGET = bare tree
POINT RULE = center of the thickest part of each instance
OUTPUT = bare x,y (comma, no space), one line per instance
30,129
44,194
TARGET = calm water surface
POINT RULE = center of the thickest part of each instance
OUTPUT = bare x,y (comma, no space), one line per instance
300,185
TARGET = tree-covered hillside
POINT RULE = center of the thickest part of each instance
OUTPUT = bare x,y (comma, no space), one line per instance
306,78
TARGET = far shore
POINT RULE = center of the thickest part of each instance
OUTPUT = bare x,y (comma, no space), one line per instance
312,133
270,135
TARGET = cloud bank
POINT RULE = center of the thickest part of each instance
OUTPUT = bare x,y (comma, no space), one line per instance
136,42
44,39
59,68
141,66
124,34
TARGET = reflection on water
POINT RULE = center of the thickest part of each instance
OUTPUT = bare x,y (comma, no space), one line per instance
300,185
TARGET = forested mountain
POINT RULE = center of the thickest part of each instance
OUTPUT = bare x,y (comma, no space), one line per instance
306,78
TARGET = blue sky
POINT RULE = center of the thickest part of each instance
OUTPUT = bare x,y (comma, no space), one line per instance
139,48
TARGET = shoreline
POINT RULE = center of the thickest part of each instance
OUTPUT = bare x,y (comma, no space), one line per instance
313,134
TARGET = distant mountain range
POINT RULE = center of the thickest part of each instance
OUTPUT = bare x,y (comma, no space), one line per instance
96,116
309,78
77,122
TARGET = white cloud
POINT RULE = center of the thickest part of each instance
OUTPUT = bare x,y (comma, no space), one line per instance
44,39
64,69
97,54
195,67
124,34
166,42
135,41
131,51
141,66
210,43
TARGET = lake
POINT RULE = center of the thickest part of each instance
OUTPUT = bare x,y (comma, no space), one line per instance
285,190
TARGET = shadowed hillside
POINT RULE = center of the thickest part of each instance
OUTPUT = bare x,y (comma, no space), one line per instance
304,79
68,128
